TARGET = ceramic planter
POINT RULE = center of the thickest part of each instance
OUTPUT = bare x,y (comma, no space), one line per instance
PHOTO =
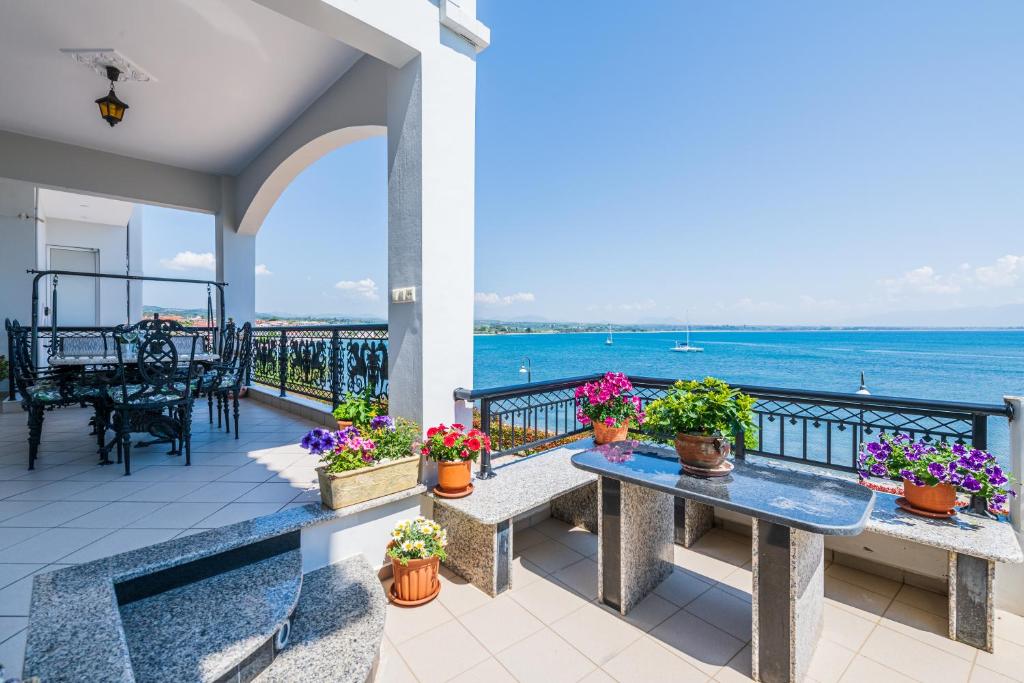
355,486
344,424
604,434
937,500
454,477
703,452
415,582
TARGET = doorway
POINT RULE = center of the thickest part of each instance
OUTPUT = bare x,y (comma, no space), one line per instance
78,298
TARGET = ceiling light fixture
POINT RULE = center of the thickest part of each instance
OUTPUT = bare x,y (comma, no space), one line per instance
112,108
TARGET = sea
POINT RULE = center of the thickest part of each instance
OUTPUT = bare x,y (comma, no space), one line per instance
979,366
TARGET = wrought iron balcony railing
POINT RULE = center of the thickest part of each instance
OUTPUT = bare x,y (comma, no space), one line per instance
322,362
819,428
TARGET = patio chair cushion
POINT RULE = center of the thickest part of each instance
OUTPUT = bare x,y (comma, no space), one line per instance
45,393
150,396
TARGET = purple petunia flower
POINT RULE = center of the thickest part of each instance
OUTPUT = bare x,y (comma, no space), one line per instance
971,484
878,470
383,422
937,470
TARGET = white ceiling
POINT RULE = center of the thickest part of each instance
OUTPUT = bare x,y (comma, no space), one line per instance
230,75
80,207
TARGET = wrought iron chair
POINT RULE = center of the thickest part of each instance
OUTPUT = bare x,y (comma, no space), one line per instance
42,389
156,387
231,378
211,378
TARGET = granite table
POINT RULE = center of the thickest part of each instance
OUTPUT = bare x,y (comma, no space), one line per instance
792,512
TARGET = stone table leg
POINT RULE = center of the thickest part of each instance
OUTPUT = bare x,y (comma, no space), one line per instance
788,601
635,542
693,520
479,553
971,612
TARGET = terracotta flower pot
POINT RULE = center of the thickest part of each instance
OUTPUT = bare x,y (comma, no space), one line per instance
344,424
604,434
454,477
704,452
939,499
415,581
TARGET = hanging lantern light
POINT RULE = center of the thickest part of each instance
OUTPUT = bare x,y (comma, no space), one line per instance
112,108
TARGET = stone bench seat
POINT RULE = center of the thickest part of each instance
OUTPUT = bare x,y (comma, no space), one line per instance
974,545
338,627
480,525
210,630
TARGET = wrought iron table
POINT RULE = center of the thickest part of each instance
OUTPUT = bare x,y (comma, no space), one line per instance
792,512
84,361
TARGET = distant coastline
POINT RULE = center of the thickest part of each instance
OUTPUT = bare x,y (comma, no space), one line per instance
492,328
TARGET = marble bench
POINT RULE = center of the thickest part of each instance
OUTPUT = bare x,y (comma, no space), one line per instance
974,545
480,526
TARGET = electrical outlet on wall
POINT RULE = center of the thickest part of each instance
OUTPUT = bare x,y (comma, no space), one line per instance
403,295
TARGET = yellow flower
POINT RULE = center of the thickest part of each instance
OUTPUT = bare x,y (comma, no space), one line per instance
396,534
419,545
407,546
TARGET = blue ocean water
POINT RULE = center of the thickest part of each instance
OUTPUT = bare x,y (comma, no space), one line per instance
976,366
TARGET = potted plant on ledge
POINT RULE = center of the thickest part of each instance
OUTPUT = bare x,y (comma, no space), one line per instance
933,473
416,550
702,419
361,464
608,405
454,450
356,409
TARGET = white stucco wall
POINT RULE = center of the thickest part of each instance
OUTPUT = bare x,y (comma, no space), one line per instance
111,241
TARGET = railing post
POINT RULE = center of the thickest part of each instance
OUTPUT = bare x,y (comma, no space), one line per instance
334,367
10,364
282,357
979,440
1016,419
486,472
740,452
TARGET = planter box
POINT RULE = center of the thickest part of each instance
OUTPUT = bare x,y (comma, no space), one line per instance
348,488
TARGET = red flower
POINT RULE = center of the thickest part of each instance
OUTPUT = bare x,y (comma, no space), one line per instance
425,451
473,443
474,432
456,425
449,441
464,453
432,431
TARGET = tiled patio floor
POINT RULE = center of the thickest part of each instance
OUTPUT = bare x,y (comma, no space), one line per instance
70,510
548,629
696,627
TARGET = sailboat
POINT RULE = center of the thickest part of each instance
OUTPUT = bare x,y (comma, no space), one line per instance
686,348
608,341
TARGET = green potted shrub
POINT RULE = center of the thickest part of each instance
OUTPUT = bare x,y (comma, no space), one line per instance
701,418
356,409
362,464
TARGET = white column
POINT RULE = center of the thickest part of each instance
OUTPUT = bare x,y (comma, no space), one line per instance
135,264
236,262
19,252
431,150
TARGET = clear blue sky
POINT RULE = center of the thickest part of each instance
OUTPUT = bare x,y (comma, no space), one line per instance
798,162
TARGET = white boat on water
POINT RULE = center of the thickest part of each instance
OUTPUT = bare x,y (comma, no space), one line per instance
608,341
686,348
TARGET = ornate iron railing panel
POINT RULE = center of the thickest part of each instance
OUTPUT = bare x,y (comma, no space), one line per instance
816,428
323,362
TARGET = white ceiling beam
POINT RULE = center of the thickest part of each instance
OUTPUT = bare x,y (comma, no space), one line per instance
67,167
